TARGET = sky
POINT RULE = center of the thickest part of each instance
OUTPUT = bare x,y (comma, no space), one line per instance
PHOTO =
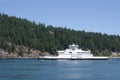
89,15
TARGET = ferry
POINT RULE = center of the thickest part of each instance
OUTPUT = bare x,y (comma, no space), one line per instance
74,53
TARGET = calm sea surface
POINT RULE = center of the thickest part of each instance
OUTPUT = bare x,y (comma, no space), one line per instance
21,69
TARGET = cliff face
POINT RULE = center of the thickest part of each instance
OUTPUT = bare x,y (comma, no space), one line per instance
115,54
25,53
3,53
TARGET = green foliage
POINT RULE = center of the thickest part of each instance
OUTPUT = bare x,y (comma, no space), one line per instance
21,51
18,31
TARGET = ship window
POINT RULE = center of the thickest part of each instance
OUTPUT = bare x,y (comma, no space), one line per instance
61,52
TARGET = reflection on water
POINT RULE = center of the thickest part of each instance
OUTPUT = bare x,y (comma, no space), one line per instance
59,69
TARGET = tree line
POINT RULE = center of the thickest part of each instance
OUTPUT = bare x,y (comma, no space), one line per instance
18,31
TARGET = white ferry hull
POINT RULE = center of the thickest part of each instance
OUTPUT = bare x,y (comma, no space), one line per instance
84,58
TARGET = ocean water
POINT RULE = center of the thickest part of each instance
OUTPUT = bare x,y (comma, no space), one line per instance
33,69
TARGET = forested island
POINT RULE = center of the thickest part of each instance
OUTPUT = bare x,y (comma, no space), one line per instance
24,38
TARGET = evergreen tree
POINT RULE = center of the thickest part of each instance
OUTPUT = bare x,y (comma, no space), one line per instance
22,32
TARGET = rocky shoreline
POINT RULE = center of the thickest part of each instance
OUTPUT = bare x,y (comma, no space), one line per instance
32,54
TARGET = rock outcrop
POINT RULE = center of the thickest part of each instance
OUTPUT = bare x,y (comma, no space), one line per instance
27,53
